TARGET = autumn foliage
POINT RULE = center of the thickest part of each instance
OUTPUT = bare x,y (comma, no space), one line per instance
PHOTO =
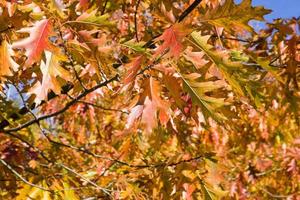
131,99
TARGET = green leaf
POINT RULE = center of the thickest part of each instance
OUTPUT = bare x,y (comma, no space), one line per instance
226,66
265,64
209,105
68,192
136,46
94,19
208,195
238,56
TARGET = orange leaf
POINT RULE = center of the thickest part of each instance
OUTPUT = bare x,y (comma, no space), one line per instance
84,4
196,58
50,70
134,67
6,62
172,38
37,42
148,106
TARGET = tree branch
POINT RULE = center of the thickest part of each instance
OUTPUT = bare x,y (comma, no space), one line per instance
49,161
104,7
185,13
277,196
101,107
71,60
189,10
232,38
21,177
105,190
66,88
67,106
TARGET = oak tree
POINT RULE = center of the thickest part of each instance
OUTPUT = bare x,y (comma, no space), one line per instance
131,99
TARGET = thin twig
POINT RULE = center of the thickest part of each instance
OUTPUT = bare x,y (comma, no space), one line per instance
189,10
4,123
25,104
275,195
52,162
135,20
104,7
101,107
82,22
71,60
67,106
185,13
21,177
106,191
99,67
86,151
231,38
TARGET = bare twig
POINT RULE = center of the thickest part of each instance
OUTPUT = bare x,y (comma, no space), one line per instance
86,151
105,190
232,38
135,20
67,106
189,10
25,104
275,195
185,13
71,60
99,67
104,7
52,162
101,107
21,177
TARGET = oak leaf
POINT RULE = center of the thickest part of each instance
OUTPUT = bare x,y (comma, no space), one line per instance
93,42
149,107
50,70
37,42
235,17
226,66
6,62
11,7
195,57
172,40
58,7
84,4
133,68
198,91
94,19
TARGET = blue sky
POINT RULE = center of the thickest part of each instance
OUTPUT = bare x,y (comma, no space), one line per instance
281,8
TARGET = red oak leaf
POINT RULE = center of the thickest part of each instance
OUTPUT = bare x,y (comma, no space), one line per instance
134,67
172,38
149,107
37,42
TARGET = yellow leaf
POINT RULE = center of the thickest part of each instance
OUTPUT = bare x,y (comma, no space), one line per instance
69,194
6,62
32,164
58,7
